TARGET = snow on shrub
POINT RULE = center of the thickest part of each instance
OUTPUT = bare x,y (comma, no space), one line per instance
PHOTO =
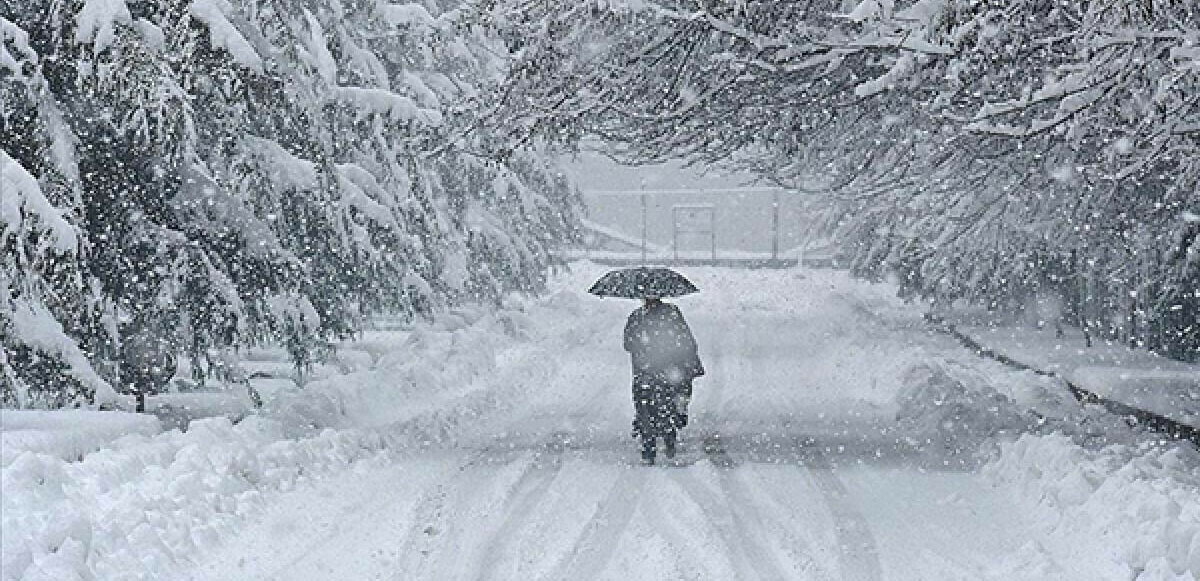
447,357
146,505
1138,504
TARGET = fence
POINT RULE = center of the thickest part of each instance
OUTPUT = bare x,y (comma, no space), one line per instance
739,225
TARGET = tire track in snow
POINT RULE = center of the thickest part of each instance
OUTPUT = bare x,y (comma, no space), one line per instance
753,519
433,511
528,491
683,539
332,533
714,449
733,510
748,551
593,550
857,550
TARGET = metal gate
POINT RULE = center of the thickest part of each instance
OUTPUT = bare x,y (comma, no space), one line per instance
691,220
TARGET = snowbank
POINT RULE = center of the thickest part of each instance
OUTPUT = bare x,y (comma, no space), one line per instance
145,505
178,410
427,381
1111,501
1110,369
1171,393
1132,511
446,361
66,434
148,503
955,406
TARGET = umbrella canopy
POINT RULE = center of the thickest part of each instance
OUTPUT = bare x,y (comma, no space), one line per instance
643,281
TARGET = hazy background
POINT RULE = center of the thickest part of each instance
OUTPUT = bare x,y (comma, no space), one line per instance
743,218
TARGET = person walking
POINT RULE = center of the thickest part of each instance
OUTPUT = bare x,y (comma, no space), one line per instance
661,349
665,360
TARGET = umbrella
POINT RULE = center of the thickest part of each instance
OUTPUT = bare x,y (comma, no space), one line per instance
643,281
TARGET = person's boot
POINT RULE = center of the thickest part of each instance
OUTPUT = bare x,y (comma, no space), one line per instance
669,445
648,451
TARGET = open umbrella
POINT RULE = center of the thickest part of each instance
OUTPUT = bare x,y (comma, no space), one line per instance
643,281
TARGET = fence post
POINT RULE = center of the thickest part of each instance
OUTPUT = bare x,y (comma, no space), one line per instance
712,232
674,235
775,226
643,188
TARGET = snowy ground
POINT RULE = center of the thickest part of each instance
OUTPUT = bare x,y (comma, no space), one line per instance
834,437
1108,368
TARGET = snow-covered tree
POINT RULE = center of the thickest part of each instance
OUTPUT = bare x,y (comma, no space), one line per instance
216,172
990,151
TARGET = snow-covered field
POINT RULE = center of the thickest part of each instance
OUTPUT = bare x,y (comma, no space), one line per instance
834,437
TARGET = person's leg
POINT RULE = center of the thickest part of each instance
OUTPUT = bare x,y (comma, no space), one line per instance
643,422
641,400
649,449
664,415
637,410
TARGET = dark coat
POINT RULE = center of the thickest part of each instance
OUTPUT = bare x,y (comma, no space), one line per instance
661,345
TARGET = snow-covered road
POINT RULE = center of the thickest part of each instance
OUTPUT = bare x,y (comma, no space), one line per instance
794,467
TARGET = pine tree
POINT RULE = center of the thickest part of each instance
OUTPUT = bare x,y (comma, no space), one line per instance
240,172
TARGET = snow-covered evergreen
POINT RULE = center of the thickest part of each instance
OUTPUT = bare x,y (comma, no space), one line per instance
216,172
